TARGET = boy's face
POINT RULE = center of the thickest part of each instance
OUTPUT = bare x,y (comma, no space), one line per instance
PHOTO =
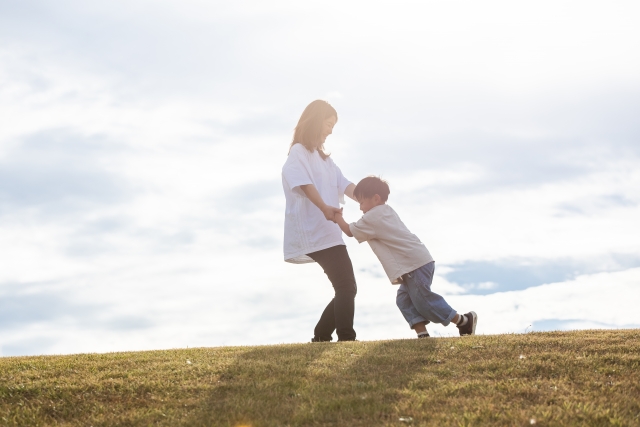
366,204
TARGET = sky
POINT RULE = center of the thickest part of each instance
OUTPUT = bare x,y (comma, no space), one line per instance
141,147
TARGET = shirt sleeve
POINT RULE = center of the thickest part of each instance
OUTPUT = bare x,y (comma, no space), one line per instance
343,183
362,230
295,171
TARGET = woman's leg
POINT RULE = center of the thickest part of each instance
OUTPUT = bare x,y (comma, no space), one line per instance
339,312
326,325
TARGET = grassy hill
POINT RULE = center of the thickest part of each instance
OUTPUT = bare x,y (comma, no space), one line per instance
560,378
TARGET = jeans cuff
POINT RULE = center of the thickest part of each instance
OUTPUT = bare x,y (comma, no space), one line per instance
449,318
415,320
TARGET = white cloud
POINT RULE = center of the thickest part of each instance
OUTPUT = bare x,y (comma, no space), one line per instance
141,147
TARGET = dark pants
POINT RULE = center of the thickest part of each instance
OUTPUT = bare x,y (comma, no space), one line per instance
338,315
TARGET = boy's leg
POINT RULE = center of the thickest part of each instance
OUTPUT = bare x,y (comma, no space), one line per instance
429,304
420,328
337,266
415,320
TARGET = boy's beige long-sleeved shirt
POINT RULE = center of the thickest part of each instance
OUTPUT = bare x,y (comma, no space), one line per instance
399,250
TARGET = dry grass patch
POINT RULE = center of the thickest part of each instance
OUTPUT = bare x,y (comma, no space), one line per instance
561,378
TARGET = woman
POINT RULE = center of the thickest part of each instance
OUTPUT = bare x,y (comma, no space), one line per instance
314,186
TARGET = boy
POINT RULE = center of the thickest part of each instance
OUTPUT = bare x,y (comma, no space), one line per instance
404,258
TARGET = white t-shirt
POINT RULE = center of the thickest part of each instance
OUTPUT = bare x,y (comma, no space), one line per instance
306,229
398,250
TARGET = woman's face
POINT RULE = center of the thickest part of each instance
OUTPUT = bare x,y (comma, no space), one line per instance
327,127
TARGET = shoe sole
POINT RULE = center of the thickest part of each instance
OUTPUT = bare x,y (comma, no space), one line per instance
475,322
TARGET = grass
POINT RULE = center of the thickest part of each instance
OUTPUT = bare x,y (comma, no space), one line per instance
558,378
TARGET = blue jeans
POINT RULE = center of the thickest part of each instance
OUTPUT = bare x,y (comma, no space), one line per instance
416,301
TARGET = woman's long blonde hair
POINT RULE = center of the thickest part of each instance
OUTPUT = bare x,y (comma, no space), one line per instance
309,127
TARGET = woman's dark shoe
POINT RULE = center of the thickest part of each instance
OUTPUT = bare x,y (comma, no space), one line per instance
318,339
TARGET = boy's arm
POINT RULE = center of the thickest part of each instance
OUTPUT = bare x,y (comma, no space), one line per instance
343,224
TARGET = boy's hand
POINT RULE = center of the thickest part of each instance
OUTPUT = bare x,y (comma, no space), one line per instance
337,216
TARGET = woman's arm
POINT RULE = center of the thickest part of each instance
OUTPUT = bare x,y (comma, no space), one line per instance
312,194
349,191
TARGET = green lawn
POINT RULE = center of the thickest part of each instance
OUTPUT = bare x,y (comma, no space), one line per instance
560,378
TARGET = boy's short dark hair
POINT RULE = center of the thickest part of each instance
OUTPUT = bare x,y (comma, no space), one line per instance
370,186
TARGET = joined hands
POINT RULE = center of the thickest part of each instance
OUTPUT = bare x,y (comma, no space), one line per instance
337,216
331,213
